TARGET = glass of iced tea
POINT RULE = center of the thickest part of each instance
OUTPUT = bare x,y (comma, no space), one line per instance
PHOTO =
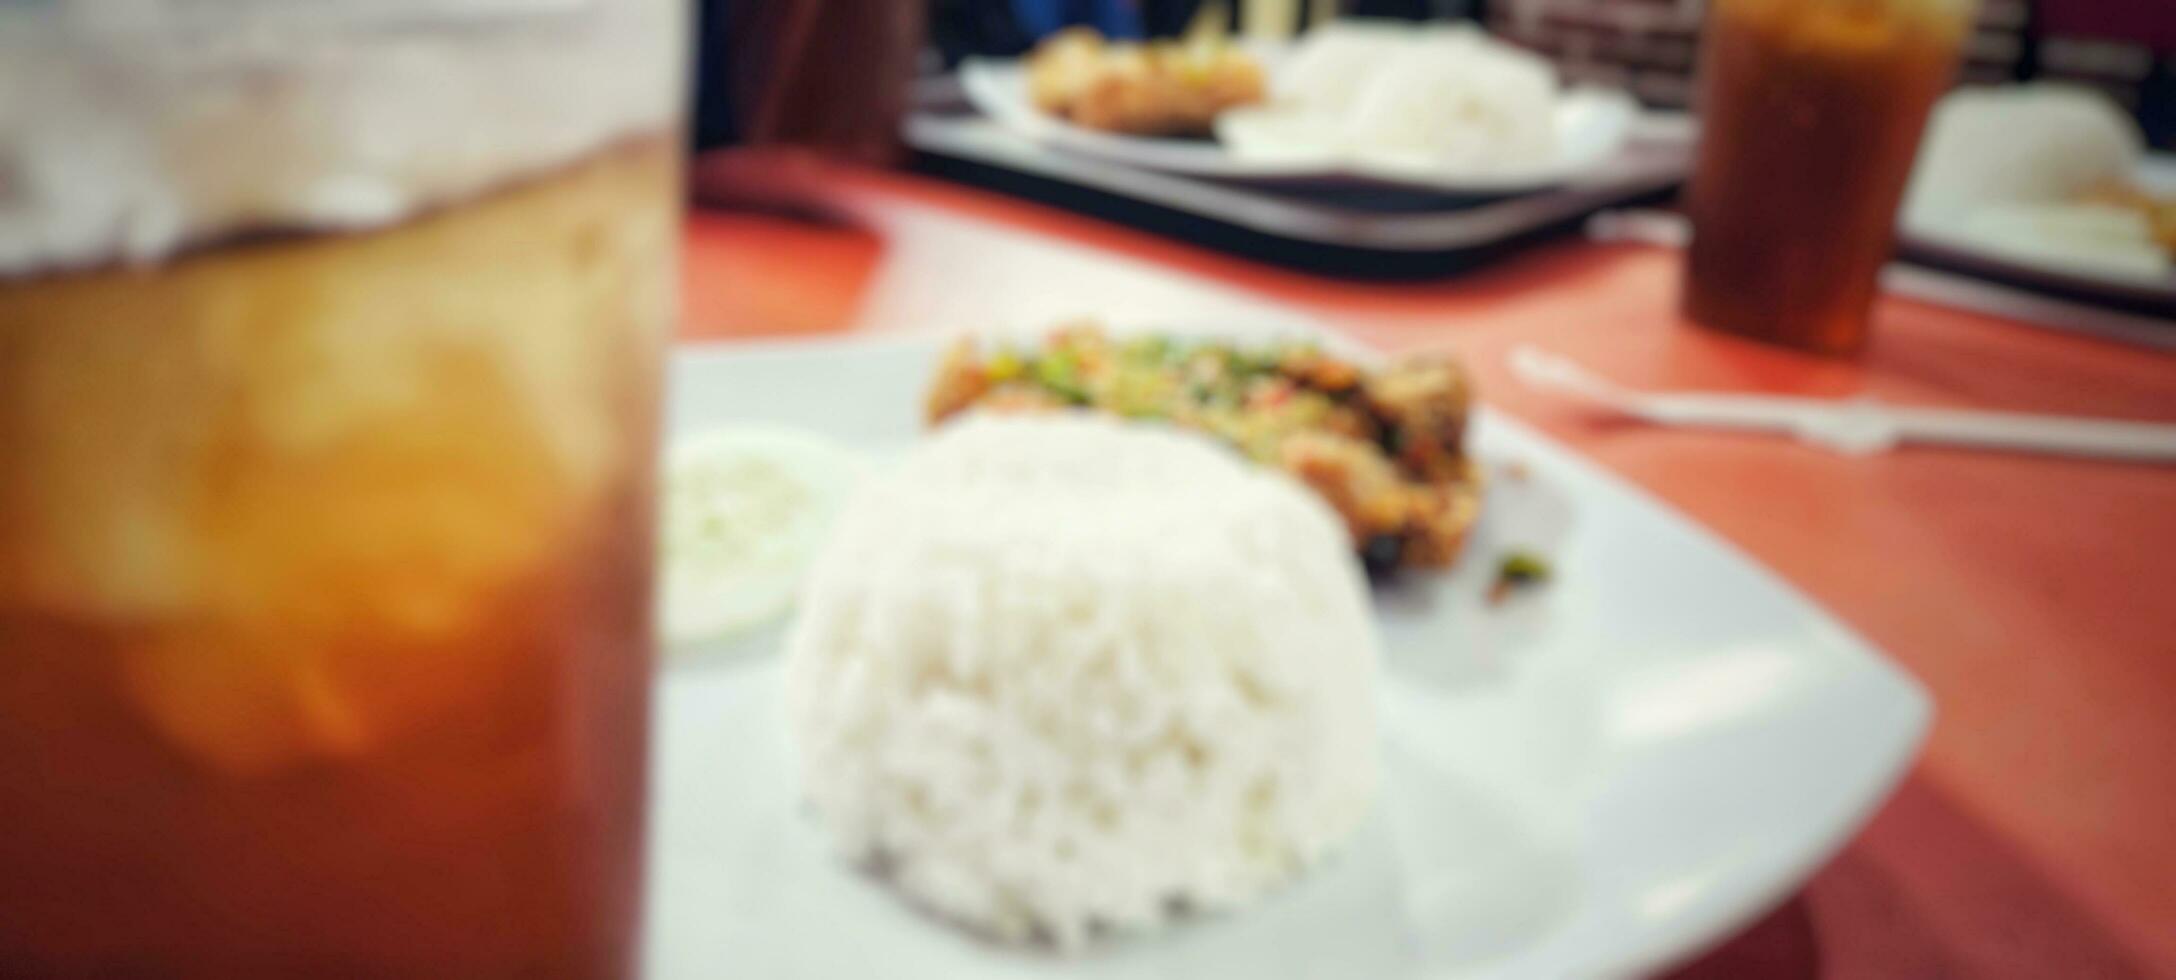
330,338
1811,112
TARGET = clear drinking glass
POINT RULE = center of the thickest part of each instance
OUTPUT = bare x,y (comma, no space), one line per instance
330,338
1811,112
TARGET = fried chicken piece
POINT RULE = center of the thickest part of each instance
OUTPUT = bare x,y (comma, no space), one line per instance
1441,515
961,380
1359,484
1064,66
1393,521
1321,372
1158,89
1423,404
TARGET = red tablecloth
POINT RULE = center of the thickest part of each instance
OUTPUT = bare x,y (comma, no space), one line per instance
2035,596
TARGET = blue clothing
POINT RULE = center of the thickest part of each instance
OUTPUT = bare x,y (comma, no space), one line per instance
1115,18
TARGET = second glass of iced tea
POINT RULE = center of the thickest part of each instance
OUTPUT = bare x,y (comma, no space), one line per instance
1811,112
329,353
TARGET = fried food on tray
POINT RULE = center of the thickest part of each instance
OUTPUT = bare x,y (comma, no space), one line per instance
1385,448
1162,88
2159,212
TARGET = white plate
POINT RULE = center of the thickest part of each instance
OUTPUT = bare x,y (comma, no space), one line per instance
1592,125
1596,779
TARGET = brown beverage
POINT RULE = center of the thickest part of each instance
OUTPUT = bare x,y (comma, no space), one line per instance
1811,113
325,551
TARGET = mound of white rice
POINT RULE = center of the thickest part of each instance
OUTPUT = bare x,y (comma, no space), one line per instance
1458,101
1059,672
1394,95
2002,168
2021,144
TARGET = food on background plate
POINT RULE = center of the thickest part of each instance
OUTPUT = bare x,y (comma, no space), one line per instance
2043,172
1384,447
1330,67
745,509
1423,98
2021,143
2093,237
1062,673
2158,210
1158,88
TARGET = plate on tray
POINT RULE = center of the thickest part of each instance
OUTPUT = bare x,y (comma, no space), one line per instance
1591,124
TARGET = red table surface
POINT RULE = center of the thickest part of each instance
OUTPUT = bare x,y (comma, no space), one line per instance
2035,596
